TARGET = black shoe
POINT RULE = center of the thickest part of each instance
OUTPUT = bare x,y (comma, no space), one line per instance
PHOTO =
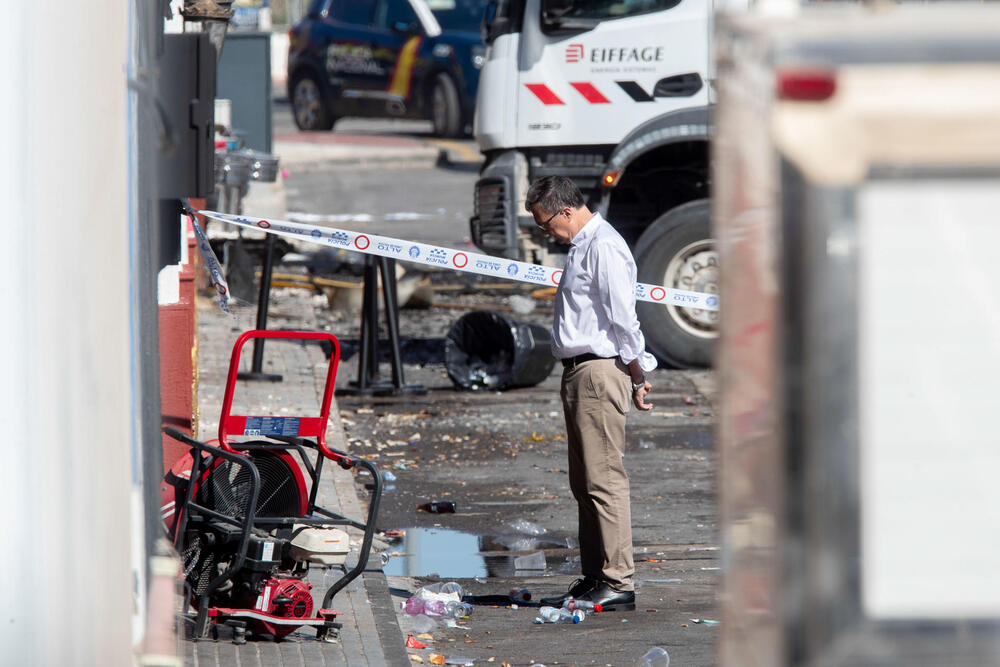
579,588
609,597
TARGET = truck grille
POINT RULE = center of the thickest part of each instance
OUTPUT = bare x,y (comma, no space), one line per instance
492,222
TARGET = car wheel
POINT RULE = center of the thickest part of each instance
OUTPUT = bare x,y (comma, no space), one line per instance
677,251
309,106
446,113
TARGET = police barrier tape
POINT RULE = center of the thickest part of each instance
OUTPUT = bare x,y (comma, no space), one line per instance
458,260
212,264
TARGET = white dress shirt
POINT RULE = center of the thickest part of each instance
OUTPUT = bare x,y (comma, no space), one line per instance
595,300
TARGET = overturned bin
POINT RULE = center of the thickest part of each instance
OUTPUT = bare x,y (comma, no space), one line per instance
488,350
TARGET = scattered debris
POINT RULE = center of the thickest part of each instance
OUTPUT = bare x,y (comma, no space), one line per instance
522,305
704,621
520,595
655,657
525,527
553,615
423,624
488,350
413,642
438,507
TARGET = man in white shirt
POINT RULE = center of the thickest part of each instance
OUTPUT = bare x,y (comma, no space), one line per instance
596,335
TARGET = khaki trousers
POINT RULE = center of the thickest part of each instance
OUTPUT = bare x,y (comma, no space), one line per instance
596,396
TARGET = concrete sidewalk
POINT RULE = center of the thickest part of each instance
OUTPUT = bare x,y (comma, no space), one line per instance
370,634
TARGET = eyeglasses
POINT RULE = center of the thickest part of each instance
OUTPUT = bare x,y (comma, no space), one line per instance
545,225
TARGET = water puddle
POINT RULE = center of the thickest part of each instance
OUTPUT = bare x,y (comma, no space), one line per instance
452,554
424,551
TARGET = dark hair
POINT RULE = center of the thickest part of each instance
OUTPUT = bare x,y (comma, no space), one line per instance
552,193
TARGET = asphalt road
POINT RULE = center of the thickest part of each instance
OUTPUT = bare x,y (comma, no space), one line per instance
431,205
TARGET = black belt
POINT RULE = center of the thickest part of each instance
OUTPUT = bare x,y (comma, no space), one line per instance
580,358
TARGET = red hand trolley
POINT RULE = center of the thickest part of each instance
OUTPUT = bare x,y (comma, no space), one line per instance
247,524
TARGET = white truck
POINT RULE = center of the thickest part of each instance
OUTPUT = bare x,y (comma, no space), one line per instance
616,95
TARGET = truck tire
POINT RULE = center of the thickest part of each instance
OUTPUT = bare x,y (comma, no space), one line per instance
677,251
446,112
310,107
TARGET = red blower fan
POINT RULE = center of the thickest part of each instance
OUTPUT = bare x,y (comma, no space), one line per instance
241,511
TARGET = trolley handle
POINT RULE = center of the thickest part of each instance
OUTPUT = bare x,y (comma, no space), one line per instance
313,427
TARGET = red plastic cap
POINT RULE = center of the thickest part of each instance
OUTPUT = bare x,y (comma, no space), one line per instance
598,608
806,85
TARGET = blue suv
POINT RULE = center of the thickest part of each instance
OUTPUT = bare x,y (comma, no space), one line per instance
387,58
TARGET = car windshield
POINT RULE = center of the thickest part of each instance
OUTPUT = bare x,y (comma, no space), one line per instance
458,14
613,9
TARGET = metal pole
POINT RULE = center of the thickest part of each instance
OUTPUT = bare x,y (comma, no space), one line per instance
388,267
263,296
369,327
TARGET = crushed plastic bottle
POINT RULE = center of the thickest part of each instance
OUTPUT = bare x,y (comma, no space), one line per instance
435,608
440,599
458,609
585,605
417,605
438,507
423,623
553,615
655,657
450,588
520,595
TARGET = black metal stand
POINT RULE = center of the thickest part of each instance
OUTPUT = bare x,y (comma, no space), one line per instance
263,296
368,374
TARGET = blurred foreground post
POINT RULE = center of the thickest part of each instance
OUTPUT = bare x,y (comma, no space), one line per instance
857,166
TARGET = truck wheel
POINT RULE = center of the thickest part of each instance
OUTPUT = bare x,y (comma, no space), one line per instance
677,251
309,105
446,113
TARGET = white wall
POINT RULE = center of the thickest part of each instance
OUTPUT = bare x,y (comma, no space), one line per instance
65,378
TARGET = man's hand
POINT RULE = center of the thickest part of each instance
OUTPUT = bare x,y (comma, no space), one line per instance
639,396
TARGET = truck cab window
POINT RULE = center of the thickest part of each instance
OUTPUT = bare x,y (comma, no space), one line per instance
591,10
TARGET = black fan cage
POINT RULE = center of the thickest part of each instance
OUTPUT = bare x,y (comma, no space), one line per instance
228,488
